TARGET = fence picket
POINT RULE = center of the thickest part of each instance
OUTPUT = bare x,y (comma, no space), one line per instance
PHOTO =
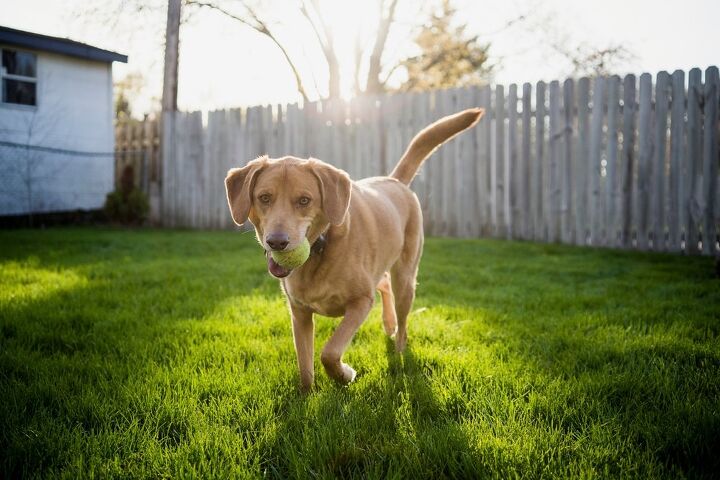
612,186
646,146
537,171
525,165
594,158
694,166
628,161
552,184
485,175
498,163
658,169
710,159
581,165
676,214
566,169
467,157
512,179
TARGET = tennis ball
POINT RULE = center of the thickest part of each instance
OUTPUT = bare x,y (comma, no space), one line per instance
292,258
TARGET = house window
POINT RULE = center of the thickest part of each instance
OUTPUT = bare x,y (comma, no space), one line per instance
19,77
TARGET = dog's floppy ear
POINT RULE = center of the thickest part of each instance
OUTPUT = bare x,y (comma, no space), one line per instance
238,185
335,187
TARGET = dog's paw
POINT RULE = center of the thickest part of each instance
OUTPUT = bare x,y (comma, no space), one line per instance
349,374
390,330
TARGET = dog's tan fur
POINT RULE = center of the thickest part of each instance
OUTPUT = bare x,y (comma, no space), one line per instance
374,238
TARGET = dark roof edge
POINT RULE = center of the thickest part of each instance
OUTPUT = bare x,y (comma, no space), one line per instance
20,38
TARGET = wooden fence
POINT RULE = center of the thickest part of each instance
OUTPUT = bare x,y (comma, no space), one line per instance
630,163
137,146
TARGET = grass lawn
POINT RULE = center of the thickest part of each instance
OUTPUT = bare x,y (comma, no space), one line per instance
168,354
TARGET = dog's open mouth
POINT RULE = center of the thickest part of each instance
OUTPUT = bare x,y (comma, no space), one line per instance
276,270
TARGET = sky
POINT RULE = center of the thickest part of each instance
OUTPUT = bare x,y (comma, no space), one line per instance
225,65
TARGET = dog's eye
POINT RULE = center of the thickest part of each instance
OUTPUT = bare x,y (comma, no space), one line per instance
304,201
264,198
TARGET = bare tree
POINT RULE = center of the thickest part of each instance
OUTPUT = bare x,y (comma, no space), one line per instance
594,61
29,164
254,21
323,30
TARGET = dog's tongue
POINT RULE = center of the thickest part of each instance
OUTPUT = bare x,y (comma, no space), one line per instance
275,269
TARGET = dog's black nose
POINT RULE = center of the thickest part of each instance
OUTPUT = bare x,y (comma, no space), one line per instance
277,241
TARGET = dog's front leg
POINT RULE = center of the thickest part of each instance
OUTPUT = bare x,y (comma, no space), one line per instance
303,334
331,356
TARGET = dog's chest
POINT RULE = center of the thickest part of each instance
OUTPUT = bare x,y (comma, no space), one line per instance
313,296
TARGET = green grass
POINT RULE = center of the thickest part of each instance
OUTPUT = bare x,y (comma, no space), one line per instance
169,354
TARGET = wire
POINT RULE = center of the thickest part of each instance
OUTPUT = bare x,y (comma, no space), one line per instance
63,151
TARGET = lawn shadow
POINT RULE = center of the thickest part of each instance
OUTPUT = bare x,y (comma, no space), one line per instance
657,398
390,425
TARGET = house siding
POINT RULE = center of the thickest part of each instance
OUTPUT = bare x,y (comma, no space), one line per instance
74,113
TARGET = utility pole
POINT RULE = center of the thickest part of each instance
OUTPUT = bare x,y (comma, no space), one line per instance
158,207
172,42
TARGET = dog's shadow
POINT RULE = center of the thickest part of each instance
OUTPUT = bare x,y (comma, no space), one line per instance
378,427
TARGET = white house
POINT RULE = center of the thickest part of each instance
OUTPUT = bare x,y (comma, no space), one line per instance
56,124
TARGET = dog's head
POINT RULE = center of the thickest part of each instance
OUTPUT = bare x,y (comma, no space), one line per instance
288,199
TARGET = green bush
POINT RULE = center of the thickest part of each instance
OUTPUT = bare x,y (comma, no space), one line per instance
128,208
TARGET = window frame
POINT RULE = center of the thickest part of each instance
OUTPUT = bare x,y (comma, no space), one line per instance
22,78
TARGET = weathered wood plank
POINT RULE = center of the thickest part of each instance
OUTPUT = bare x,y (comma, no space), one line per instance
659,162
499,164
593,171
567,226
525,165
537,171
467,155
484,138
627,167
552,183
710,159
194,175
512,176
581,165
694,162
435,172
645,141
612,185
422,184
211,160
451,163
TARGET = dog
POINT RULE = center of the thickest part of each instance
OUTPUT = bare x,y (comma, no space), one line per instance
365,236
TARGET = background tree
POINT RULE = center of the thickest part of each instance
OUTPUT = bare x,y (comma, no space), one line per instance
587,60
448,56
448,53
251,15
124,90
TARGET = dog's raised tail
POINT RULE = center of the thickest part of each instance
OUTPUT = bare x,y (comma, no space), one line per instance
430,138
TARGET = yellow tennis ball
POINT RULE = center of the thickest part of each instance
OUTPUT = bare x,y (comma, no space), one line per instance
292,258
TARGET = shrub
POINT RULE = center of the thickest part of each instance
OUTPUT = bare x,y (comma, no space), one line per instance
128,205
132,208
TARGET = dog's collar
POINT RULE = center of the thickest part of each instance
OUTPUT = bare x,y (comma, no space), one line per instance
319,245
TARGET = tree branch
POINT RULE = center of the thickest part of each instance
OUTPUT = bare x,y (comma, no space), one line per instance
373,84
324,35
261,27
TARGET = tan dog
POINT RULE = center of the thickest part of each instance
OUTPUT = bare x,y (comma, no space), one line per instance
359,231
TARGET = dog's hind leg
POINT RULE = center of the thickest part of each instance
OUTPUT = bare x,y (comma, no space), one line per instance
404,279
403,275
388,305
403,285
